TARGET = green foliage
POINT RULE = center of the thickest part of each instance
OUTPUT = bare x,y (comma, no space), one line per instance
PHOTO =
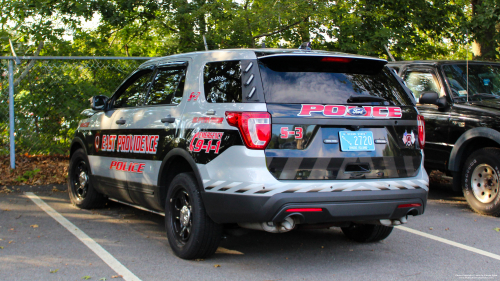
27,176
49,101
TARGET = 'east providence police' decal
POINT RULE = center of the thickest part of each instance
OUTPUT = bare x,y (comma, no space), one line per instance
128,143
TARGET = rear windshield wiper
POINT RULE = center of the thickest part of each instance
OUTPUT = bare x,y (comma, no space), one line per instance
365,98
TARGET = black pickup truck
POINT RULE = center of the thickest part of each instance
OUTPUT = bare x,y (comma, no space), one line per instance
460,101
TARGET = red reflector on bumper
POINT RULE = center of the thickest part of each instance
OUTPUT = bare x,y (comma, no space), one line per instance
302,210
410,205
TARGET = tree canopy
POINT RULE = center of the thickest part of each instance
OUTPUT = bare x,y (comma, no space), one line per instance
412,29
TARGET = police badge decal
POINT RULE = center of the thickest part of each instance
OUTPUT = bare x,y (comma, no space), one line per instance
409,139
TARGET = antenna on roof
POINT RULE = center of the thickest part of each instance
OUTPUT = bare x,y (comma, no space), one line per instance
305,46
205,42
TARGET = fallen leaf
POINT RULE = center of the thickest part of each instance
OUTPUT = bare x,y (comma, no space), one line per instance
497,229
102,279
217,265
6,210
431,228
54,271
1,247
447,228
322,247
199,259
34,225
221,250
11,241
86,277
117,276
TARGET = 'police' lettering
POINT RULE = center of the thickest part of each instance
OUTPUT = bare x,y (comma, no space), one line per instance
130,167
351,111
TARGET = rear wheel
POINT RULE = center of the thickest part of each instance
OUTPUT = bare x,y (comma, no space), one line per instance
81,192
191,232
481,181
367,232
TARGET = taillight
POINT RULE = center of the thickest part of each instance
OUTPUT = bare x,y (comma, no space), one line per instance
255,127
421,131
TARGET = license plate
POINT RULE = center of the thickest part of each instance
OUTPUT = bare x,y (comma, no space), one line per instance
356,141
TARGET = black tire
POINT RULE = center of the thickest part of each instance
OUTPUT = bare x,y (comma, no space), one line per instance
81,192
191,232
481,181
367,232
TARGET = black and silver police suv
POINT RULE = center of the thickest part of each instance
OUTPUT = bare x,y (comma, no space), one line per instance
266,139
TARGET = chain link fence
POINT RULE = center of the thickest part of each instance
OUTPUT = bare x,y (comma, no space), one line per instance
49,96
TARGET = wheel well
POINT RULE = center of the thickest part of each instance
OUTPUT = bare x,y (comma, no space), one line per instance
174,166
74,148
473,145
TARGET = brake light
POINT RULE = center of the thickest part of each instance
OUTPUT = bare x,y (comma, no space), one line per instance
255,127
333,59
421,131
302,210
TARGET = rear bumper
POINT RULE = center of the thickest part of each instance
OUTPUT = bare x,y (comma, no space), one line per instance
336,206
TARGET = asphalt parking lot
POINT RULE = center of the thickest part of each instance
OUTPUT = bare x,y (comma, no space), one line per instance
120,242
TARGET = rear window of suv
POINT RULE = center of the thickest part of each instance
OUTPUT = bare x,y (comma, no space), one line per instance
327,80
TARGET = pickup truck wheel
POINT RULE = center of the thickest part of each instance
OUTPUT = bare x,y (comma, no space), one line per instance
81,192
191,232
481,181
367,232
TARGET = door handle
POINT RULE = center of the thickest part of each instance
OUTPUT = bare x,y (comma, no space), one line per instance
168,119
121,121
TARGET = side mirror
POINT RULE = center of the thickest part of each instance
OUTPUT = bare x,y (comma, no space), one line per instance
428,97
433,98
99,102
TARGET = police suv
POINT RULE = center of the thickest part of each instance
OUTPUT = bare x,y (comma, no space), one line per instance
266,139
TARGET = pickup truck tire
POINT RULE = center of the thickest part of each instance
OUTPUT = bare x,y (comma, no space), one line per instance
81,192
191,233
481,181
367,232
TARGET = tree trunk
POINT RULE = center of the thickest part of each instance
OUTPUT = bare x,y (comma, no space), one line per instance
484,45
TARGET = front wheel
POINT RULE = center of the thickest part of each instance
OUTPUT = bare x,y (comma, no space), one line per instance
191,232
367,232
81,192
481,181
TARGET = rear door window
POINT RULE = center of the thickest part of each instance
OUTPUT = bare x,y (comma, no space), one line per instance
168,86
325,80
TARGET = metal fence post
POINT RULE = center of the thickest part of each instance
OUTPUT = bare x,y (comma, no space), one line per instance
11,115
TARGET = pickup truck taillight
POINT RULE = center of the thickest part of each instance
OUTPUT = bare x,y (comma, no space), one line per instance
255,127
421,131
